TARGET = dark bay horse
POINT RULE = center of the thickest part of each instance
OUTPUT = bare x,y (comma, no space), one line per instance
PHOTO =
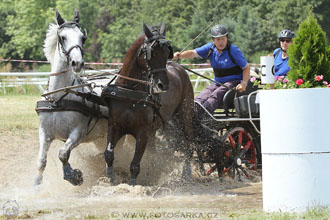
153,94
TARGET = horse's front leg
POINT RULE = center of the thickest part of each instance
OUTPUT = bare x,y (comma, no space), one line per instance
75,177
109,154
188,154
45,141
141,143
185,118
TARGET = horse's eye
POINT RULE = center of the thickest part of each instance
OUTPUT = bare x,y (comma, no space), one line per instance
63,38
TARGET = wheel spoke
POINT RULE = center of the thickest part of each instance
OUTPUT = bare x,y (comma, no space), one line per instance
233,171
242,153
211,170
227,154
239,175
244,171
240,137
231,140
225,170
248,144
239,153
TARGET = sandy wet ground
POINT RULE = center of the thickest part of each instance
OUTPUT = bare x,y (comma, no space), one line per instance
162,193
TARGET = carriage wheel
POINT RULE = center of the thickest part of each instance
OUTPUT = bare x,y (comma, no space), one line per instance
239,152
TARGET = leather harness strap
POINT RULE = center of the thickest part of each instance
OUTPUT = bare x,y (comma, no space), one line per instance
119,92
69,105
136,96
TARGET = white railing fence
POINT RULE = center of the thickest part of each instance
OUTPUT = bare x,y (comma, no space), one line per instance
40,79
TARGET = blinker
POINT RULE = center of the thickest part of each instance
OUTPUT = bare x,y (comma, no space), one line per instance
148,53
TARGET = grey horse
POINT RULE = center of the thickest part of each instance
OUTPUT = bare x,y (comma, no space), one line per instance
62,115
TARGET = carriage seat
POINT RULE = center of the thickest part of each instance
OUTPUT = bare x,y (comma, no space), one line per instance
242,106
228,103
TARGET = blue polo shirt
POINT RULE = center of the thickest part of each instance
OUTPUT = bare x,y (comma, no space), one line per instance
281,66
223,61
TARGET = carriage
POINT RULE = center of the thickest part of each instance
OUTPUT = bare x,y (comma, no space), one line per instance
149,93
229,140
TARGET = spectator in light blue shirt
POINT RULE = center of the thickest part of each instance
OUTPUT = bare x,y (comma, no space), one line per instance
229,65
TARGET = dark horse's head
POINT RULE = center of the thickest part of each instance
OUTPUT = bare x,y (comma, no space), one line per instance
153,55
151,51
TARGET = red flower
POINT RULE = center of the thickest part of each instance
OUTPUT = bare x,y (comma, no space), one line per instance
299,82
318,78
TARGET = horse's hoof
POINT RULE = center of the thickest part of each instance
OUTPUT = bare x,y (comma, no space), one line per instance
37,180
132,182
77,177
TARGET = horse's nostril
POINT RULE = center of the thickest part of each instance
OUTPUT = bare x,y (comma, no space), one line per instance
83,64
160,86
73,63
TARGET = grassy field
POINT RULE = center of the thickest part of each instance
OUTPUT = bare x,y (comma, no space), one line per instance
17,114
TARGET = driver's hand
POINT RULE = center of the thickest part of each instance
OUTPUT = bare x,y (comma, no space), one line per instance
176,56
241,87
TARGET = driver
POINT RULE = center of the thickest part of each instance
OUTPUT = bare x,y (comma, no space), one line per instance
229,65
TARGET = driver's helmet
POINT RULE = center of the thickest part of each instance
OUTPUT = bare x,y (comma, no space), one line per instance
218,31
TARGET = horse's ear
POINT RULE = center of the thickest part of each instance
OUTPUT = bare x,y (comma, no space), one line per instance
163,29
76,16
59,18
147,31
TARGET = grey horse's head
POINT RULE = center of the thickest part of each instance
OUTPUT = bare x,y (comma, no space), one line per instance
71,38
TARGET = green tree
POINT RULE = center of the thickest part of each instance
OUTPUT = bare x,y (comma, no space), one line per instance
114,25
120,31
321,10
248,36
309,53
27,27
6,49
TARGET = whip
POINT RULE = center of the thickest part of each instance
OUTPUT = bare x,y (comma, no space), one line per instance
197,36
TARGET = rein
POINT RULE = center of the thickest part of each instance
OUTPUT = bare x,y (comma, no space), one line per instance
103,73
66,89
93,85
221,84
59,73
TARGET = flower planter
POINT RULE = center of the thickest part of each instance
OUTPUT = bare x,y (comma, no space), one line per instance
295,146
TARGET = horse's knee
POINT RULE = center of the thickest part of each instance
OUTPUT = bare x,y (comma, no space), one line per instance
41,164
64,155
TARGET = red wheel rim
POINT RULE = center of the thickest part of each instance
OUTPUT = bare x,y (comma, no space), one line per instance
242,149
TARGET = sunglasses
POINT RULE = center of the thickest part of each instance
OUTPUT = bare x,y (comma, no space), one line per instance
288,40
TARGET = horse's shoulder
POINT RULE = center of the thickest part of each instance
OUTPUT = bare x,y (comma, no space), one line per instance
175,67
